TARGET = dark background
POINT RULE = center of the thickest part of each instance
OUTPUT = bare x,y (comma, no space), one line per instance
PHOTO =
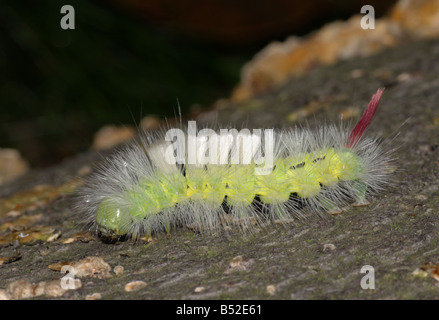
128,59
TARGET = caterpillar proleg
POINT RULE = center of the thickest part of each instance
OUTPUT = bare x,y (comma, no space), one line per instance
206,178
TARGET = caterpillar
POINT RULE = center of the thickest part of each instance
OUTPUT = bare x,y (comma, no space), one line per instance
209,179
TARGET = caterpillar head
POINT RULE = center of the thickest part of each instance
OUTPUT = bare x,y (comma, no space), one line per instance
112,222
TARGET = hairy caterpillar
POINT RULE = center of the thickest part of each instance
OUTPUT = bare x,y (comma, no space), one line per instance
157,184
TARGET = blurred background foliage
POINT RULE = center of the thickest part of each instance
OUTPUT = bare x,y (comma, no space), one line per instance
127,59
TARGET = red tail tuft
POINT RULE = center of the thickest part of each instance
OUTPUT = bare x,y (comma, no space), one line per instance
365,120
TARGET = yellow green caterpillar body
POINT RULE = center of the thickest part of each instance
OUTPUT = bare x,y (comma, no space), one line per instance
148,187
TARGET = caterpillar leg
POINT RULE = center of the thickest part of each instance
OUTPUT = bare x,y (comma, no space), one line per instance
330,207
360,189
